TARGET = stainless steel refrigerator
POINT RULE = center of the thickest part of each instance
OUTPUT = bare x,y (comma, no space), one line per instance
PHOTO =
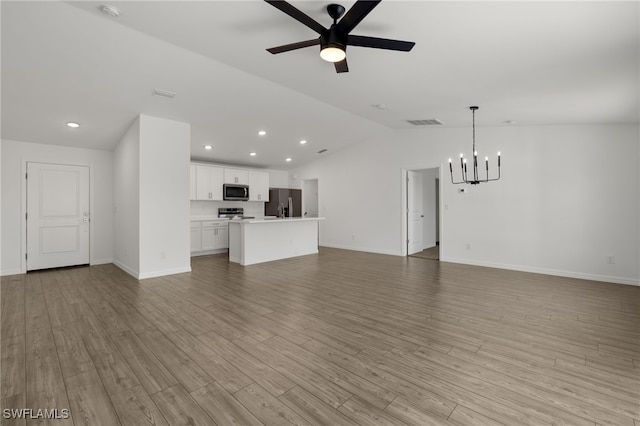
291,200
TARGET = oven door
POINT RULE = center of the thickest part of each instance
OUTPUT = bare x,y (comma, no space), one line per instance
235,192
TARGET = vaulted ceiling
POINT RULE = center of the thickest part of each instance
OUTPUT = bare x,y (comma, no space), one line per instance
523,63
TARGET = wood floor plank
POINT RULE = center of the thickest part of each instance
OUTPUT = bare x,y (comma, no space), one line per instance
46,389
223,408
135,407
413,414
179,409
267,408
224,373
183,368
362,412
313,409
12,366
90,403
340,337
12,316
466,417
272,381
115,373
371,393
12,403
148,369
300,374
73,355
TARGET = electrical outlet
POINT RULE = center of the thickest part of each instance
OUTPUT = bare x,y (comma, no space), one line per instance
163,255
468,246
353,236
611,260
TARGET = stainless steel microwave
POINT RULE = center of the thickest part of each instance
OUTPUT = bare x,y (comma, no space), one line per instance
235,192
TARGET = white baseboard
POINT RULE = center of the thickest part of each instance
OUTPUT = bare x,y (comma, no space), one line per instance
127,269
365,249
545,271
164,272
101,261
6,272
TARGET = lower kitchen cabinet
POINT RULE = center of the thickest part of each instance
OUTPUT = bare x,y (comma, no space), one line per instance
209,236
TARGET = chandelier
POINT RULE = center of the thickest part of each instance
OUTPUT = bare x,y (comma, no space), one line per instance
463,161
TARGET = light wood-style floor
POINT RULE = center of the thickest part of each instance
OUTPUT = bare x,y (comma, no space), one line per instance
338,338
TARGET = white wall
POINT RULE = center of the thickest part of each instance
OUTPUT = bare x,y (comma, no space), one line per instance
15,155
568,198
126,195
164,196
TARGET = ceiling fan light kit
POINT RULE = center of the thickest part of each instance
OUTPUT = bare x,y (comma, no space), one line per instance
334,40
463,161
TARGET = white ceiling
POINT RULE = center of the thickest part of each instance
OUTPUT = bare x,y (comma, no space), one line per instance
533,63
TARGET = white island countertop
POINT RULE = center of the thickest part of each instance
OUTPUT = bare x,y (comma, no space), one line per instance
269,219
265,239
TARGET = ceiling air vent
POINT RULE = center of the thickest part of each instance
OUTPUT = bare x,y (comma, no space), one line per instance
163,93
428,122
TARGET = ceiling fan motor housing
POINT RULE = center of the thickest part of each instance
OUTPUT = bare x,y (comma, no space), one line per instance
333,38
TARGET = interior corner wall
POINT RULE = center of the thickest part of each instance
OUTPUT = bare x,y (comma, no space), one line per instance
126,206
14,155
567,202
164,197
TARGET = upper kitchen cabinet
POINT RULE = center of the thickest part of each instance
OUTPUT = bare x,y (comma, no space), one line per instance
238,176
209,181
258,186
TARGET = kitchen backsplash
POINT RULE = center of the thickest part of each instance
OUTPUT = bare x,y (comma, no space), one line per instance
210,208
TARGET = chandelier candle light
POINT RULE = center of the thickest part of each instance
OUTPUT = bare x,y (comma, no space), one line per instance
463,161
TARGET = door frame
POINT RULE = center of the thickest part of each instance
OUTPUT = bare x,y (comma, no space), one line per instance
23,206
404,206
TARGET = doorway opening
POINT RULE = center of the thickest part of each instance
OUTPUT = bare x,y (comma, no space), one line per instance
423,218
310,206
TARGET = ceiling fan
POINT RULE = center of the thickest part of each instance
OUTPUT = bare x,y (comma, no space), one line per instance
334,40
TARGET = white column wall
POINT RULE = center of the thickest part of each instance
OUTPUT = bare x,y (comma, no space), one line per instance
126,206
164,196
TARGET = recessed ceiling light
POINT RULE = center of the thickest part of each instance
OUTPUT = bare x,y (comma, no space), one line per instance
208,147
287,159
262,133
302,142
73,125
253,154
111,11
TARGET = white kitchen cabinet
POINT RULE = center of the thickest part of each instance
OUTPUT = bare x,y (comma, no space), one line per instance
193,182
196,236
258,186
209,236
241,177
209,181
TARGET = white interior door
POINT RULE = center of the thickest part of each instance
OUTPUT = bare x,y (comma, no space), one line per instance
57,215
415,213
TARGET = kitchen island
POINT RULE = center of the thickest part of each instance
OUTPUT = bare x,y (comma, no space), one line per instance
263,240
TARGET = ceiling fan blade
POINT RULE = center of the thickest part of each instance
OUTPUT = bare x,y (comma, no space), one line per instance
297,15
380,43
341,66
356,14
293,46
